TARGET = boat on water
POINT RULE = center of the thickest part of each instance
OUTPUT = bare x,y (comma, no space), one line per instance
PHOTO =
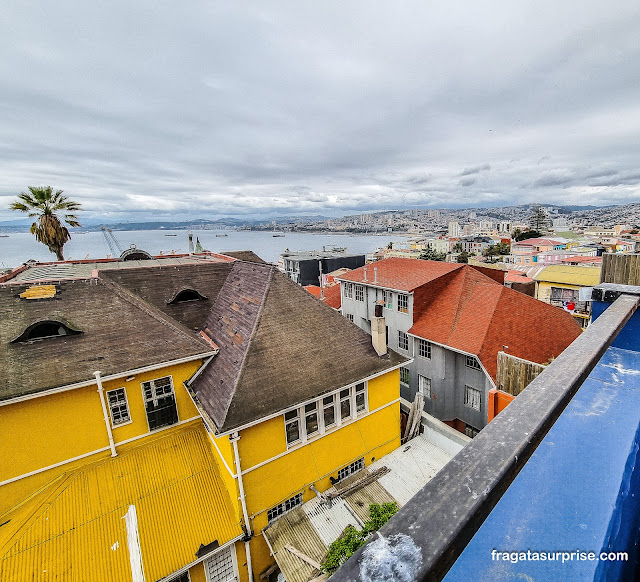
170,235
277,234
4,236
222,235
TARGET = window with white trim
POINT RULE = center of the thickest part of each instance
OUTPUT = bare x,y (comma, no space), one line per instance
403,303
329,411
118,406
284,507
387,297
424,348
324,414
472,397
351,469
160,402
292,426
359,293
404,375
348,290
221,566
349,316
472,362
424,386
403,341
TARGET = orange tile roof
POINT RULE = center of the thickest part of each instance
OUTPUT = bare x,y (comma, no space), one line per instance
517,277
399,273
331,294
578,259
470,312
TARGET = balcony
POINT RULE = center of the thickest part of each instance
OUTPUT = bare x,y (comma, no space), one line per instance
556,472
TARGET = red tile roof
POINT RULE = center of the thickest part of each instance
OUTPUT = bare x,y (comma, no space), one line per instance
332,295
401,274
470,312
517,277
579,259
538,241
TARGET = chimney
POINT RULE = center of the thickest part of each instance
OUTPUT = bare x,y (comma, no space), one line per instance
379,329
375,275
364,278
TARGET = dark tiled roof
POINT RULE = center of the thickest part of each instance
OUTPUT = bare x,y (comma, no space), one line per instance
279,346
470,312
119,333
249,256
159,285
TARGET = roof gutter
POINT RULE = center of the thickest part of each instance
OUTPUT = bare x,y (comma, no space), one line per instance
105,414
124,374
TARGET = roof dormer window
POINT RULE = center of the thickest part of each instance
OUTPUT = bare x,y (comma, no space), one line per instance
45,329
186,295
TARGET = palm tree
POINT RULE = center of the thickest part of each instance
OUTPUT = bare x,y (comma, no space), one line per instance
44,203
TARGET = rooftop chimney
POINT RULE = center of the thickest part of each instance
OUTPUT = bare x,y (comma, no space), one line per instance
379,330
365,274
375,275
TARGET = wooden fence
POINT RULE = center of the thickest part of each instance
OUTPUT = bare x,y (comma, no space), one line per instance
515,374
623,269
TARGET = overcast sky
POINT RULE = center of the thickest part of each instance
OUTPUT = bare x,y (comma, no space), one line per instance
200,109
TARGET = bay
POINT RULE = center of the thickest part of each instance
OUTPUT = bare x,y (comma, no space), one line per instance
20,247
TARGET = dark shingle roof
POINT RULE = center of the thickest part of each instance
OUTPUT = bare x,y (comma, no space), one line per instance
279,346
159,285
119,333
249,256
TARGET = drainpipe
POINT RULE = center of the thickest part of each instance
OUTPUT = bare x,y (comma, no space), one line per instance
107,422
235,437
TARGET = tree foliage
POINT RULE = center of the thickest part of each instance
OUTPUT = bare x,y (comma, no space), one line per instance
463,257
493,252
351,539
539,220
430,255
42,203
524,235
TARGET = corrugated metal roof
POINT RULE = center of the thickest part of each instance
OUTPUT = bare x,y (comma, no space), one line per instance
314,526
570,275
73,529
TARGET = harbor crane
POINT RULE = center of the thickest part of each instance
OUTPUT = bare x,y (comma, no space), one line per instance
112,242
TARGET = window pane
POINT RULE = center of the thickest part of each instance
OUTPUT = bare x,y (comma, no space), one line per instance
293,432
360,402
312,423
360,387
345,409
327,400
344,393
291,414
329,416
311,407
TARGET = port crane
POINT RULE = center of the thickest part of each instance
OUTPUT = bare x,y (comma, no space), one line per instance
112,242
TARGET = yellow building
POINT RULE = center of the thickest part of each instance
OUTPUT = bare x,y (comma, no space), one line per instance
560,285
155,421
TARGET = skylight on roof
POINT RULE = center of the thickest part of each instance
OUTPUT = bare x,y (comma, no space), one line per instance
186,295
46,329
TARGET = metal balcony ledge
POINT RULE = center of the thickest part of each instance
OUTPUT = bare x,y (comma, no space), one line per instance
442,518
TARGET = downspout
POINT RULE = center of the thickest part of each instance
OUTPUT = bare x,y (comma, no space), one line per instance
235,437
107,422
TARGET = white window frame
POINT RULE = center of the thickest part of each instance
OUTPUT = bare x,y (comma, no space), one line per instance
300,414
424,386
387,297
423,343
285,507
472,362
349,316
348,290
403,341
403,302
234,559
126,401
144,401
408,375
472,398
359,294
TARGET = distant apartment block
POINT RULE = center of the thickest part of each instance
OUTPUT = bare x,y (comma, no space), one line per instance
306,267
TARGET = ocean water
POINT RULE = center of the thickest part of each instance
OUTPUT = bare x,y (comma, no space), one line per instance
22,246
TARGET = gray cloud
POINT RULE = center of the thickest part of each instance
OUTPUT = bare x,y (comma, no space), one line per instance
241,109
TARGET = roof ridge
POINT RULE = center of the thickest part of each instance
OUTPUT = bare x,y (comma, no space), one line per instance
150,310
253,331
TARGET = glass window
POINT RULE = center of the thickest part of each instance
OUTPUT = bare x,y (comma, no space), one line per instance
284,507
403,340
329,411
473,363
472,397
160,402
387,297
348,290
424,348
292,426
359,293
351,469
404,375
424,386
311,419
118,406
403,303
350,317
361,399
345,404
